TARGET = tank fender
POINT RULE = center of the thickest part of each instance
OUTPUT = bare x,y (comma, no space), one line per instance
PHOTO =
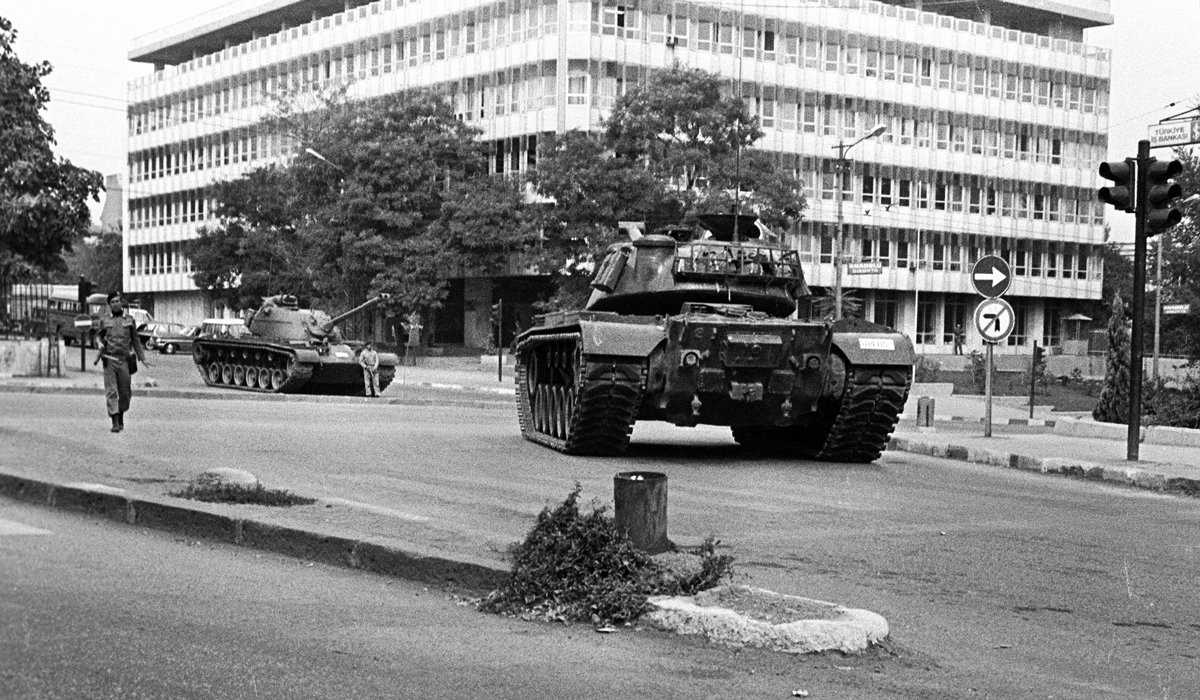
886,348
307,356
621,339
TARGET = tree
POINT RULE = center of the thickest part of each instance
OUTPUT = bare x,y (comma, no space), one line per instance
1181,265
359,217
672,148
43,198
1113,405
97,258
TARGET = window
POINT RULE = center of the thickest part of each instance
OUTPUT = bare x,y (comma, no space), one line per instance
886,309
1052,328
954,321
1020,324
926,314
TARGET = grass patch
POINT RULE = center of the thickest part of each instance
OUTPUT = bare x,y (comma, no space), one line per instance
576,567
241,495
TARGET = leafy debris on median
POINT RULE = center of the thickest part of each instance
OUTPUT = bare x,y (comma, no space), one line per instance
242,495
576,567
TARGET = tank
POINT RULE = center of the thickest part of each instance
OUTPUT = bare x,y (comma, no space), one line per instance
289,350
696,325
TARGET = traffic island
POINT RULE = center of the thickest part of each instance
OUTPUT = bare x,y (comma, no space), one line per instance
741,616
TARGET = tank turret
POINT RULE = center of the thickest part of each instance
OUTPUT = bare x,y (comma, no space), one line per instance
289,349
722,258
280,318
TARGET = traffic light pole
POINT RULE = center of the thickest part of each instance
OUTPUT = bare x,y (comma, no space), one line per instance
1139,303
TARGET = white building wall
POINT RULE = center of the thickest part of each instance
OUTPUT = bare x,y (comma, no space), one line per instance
570,39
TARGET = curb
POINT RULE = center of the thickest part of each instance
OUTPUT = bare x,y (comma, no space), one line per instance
1041,422
1125,476
209,523
489,398
841,629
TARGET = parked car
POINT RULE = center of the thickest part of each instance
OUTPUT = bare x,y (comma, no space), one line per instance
152,331
224,327
175,341
143,320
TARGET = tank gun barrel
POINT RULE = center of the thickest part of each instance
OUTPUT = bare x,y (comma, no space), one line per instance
361,307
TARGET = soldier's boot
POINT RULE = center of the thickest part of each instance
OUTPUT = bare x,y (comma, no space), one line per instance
121,419
116,423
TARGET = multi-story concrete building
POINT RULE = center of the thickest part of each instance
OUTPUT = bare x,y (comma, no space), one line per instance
995,113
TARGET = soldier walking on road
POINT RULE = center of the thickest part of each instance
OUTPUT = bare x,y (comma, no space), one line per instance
369,359
120,350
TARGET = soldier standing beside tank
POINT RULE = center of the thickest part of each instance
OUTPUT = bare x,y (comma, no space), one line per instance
369,359
119,344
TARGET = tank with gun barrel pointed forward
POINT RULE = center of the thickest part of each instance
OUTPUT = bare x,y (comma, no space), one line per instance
289,350
695,324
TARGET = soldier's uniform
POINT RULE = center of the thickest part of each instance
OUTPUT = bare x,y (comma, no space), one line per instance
118,342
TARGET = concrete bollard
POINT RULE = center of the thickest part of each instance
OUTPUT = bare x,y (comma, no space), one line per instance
640,509
925,409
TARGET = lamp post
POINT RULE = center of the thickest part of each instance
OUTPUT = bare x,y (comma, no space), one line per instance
322,158
842,147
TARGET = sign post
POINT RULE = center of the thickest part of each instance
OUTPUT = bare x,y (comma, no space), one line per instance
994,318
83,321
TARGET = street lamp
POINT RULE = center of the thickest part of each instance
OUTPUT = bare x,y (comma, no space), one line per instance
320,157
842,147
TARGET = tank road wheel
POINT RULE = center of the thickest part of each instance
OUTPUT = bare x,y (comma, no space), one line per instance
252,377
277,379
214,373
239,375
573,404
264,378
226,373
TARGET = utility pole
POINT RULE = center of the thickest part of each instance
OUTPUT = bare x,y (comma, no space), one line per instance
842,147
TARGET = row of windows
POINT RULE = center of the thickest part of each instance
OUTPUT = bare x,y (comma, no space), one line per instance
158,259
943,251
810,46
953,314
512,155
950,314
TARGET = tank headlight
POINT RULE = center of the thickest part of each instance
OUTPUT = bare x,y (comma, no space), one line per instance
691,358
813,362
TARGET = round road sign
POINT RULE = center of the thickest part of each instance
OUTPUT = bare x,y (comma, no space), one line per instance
991,276
994,319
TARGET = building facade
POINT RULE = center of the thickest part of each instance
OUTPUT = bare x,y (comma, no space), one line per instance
996,116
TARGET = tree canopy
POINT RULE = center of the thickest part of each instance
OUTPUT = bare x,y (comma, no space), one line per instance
351,214
673,147
43,197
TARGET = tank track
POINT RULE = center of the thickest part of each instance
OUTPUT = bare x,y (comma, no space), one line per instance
262,369
855,429
869,411
575,403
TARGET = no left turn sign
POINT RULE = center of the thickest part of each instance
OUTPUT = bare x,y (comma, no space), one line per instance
994,319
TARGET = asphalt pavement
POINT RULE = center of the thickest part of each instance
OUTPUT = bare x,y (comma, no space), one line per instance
1049,443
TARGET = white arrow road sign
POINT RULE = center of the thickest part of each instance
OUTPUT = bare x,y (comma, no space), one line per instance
993,276
994,319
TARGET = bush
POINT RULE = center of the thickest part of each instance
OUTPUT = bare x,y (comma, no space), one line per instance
242,495
926,370
576,567
978,370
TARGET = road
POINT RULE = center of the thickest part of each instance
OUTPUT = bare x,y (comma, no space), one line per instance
97,610
1010,583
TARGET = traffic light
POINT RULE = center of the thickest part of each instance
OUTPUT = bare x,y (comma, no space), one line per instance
1038,351
1123,192
1160,191
85,290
